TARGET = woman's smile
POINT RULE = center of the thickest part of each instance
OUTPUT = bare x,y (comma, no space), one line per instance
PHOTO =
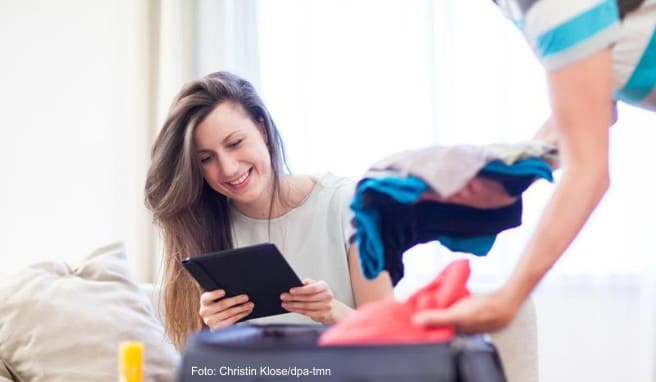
241,182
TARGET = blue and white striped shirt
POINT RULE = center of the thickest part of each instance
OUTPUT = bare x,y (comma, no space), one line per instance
562,32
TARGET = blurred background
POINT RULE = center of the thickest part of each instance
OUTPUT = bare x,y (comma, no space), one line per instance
85,86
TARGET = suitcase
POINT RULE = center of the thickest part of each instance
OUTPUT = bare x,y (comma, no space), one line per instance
289,352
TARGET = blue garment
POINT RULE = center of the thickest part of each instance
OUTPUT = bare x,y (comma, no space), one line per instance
390,219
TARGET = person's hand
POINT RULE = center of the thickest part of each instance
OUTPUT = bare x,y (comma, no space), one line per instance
478,192
218,312
474,314
315,300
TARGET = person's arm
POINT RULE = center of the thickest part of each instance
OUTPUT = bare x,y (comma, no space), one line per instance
548,133
582,113
364,290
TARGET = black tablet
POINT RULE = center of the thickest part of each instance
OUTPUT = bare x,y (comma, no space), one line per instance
260,271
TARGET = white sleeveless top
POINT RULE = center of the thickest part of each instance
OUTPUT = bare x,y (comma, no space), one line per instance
312,237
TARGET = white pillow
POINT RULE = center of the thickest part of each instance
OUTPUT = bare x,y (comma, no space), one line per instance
64,324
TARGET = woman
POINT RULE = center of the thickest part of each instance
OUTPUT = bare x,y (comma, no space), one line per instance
216,182
595,52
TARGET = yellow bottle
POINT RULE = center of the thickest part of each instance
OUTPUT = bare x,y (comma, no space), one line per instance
130,362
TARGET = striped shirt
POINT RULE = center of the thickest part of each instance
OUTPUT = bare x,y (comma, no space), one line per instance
562,32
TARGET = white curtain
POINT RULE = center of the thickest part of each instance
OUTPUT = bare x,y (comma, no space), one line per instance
349,82
227,38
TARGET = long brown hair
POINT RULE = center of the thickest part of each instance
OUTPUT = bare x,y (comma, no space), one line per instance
193,218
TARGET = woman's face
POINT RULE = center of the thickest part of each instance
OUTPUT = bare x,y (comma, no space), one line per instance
233,155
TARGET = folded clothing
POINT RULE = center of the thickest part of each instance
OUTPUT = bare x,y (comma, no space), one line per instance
389,217
390,322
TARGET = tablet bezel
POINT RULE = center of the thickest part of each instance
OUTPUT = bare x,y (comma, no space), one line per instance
260,271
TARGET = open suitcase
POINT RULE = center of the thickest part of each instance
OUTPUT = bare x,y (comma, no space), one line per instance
289,352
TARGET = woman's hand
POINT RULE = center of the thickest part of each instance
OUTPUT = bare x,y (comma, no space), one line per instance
475,314
218,312
315,300
478,192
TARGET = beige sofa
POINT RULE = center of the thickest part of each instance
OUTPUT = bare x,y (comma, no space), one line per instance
518,345
63,322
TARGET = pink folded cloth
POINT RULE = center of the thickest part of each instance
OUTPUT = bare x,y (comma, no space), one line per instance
390,322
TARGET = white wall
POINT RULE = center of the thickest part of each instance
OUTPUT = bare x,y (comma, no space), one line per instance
73,133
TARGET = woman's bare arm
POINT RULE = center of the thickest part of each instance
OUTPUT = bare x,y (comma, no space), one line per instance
582,112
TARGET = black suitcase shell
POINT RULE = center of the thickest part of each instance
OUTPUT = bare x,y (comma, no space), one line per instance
288,352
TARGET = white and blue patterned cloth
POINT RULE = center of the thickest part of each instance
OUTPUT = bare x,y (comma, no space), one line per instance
562,32
390,217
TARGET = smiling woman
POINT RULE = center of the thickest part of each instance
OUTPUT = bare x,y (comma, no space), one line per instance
216,182
234,158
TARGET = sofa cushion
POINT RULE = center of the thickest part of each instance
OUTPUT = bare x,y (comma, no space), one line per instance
59,323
